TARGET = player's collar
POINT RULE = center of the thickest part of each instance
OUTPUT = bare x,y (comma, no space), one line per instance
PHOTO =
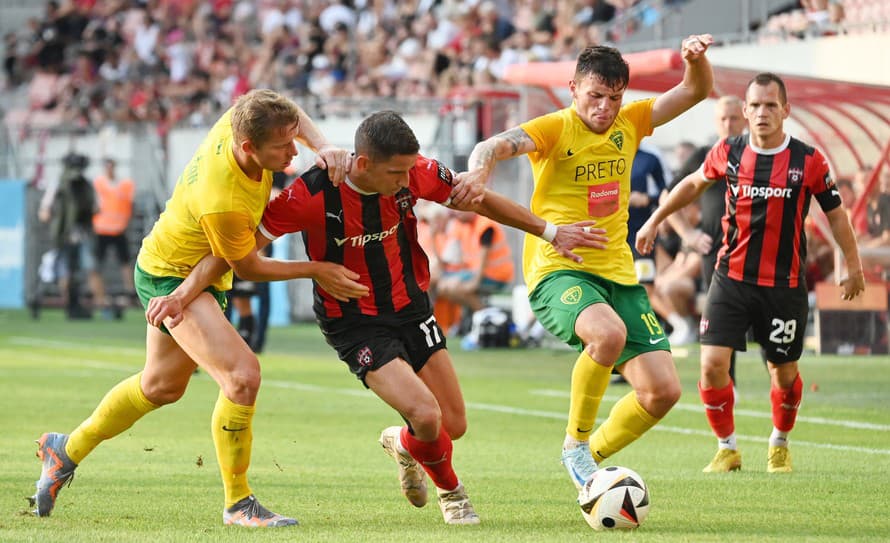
358,190
774,150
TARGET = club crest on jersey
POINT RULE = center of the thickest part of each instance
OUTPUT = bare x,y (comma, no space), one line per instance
703,326
571,296
795,176
403,199
617,138
364,356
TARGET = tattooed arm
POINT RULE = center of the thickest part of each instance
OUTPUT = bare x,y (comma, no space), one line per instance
485,155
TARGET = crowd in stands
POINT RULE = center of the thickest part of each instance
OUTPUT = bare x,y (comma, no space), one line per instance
804,18
85,63
801,19
180,61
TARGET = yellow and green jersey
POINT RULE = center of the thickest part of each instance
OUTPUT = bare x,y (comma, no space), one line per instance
215,208
580,175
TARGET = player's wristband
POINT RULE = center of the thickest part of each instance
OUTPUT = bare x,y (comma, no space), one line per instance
549,232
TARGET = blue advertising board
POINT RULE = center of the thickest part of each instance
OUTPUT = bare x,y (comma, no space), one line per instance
12,243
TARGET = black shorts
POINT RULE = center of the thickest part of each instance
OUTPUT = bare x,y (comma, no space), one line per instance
777,316
248,289
242,288
372,342
118,243
708,264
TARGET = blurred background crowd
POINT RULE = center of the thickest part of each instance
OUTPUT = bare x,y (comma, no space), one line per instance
83,65
87,62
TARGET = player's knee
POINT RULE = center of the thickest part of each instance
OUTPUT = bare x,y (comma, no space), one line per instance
669,394
714,370
659,400
162,392
242,384
606,344
455,426
425,420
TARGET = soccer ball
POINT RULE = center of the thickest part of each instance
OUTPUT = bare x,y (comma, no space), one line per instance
614,498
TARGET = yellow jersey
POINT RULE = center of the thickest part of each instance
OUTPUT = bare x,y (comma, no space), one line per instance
215,208
580,175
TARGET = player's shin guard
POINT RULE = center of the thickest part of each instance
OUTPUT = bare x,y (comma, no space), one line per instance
785,402
627,421
233,439
433,456
718,408
589,382
121,407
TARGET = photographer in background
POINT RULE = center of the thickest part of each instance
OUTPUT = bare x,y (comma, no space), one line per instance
69,205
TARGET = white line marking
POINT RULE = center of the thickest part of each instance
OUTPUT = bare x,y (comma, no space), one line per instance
45,343
316,388
500,408
78,362
673,429
561,416
743,412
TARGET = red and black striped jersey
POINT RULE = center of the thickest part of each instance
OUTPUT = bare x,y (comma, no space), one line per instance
371,234
767,199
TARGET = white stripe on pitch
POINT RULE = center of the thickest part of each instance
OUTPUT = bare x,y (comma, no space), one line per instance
60,344
744,412
95,364
673,429
561,416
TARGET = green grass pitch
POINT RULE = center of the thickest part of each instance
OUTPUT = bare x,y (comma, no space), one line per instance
316,455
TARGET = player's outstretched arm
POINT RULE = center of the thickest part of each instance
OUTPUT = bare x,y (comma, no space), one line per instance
843,233
337,280
698,80
691,235
686,191
484,158
564,238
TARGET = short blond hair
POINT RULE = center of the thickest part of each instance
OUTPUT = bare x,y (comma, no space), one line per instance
258,113
730,100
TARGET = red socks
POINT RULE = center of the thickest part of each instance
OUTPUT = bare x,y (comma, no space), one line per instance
433,456
785,402
718,408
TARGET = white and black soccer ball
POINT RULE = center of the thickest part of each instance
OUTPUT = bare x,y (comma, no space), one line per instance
614,498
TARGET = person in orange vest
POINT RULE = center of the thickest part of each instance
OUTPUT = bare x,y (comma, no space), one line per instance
115,199
443,254
487,262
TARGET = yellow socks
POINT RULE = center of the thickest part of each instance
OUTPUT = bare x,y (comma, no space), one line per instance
627,421
122,406
589,382
233,438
